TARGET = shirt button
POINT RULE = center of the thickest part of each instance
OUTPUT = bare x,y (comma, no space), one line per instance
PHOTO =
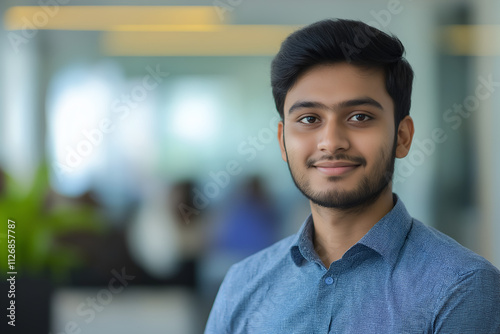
329,280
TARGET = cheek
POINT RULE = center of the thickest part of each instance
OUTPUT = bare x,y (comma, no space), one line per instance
371,146
299,145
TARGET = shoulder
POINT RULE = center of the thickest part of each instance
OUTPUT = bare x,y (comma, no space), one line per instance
245,279
456,288
442,253
243,290
440,267
264,262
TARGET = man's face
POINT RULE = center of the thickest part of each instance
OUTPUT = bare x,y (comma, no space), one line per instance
338,135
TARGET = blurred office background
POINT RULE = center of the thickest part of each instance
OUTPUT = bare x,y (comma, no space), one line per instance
138,152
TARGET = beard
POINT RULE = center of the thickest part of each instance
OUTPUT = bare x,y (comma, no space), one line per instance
366,192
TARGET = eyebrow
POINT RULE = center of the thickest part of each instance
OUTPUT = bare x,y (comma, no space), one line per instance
344,104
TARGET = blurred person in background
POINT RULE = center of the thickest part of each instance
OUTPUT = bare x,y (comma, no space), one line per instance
162,241
360,263
249,222
246,224
192,234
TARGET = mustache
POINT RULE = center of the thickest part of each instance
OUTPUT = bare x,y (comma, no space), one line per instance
340,156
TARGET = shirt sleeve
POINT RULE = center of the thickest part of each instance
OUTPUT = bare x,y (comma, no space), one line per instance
472,305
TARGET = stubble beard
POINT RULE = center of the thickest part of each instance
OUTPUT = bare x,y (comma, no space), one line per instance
366,193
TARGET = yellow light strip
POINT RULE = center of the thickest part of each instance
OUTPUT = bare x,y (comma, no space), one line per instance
154,30
229,40
472,40
105,18
166,27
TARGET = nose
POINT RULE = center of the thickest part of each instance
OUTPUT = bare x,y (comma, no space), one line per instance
333,138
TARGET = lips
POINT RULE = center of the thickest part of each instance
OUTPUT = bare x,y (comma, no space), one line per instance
335,168
335,164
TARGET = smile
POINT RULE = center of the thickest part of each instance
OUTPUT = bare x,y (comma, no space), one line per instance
335,168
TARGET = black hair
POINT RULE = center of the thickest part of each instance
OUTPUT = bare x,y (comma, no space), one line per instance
332,41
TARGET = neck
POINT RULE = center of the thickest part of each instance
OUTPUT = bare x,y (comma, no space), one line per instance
336,230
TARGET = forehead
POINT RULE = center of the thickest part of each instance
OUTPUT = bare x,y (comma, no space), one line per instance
332,84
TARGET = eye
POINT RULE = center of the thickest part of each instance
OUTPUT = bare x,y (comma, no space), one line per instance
308,120
360,118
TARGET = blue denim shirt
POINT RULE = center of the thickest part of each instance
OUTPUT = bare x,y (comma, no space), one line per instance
401,277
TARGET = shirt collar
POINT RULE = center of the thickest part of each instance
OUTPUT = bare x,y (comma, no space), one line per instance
303,247
386,237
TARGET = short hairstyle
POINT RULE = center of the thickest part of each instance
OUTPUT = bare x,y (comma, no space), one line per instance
333,41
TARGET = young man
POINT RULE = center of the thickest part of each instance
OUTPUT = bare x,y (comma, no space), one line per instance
360,263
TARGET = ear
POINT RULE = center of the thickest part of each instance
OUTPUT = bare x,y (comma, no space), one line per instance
281,140
405,137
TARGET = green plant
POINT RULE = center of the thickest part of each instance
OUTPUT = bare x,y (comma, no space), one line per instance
38,226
